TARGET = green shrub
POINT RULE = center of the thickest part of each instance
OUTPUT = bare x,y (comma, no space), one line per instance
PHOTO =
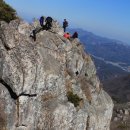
7,13
74,98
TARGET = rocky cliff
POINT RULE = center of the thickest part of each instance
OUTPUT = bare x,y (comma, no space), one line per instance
50,84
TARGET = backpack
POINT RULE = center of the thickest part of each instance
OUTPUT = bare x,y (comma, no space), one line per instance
66,24
49,19
41,20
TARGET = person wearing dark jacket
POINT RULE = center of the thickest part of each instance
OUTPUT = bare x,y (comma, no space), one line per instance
75,35
48,23
65,24
47,26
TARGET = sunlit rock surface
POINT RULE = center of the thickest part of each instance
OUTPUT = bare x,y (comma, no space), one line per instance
37,77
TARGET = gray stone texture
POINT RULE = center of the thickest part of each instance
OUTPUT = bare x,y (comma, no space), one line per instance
35,78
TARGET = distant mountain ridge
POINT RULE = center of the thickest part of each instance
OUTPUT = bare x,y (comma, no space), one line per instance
107,71
91,37
119,88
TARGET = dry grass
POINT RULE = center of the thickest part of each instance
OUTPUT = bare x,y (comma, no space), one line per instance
119,125
68,85
68,72
86,88
2,117
47,96
81,104
2,123
87,58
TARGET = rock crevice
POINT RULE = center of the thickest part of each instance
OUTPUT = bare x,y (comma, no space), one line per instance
11,92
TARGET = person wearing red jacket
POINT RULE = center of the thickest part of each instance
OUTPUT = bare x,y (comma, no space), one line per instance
67,35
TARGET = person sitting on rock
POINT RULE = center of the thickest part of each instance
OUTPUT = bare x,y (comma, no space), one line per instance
67,35
75,35
43,24
34,32
48,24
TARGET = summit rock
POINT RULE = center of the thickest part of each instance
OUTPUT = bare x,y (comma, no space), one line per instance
49,84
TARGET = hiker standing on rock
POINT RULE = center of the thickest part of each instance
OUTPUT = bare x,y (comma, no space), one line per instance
65,24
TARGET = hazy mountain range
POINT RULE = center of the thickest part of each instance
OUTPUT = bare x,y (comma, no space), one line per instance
119,88
112,60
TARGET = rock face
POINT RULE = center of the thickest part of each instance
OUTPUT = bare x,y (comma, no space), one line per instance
50,84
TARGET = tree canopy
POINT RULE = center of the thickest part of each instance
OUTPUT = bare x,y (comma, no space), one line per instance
7,13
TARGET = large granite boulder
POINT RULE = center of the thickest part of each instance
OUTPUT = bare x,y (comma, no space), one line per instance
49,84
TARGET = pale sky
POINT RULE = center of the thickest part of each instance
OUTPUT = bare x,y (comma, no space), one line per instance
109,18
